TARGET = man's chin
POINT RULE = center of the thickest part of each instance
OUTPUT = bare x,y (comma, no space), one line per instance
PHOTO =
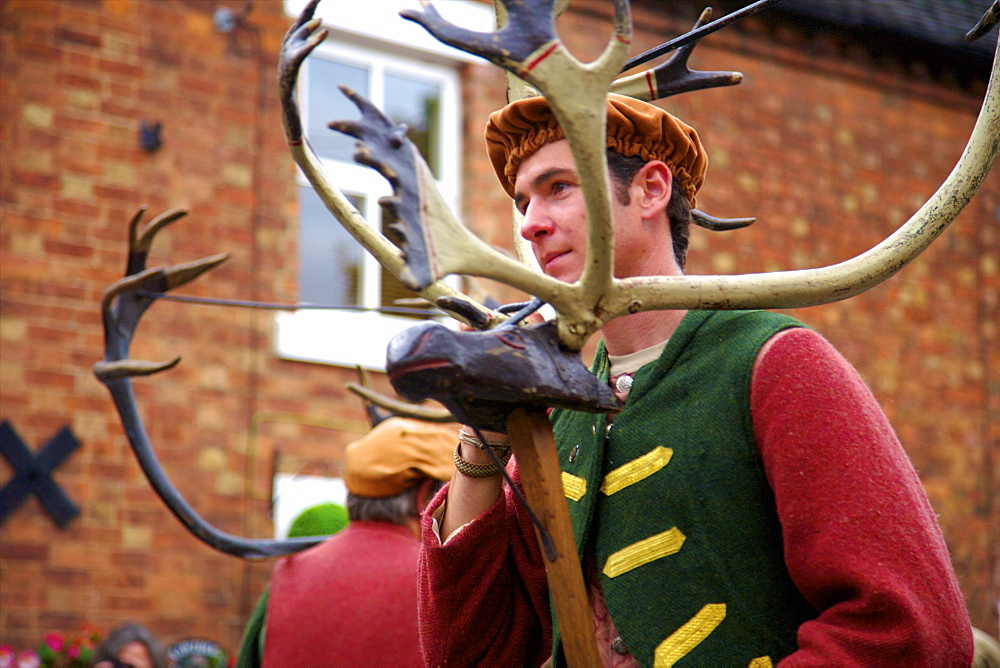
556,269
564,277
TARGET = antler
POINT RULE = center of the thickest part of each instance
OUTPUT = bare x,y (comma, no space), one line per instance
300,40
123,304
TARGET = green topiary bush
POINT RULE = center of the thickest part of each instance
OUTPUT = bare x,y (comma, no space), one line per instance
319,520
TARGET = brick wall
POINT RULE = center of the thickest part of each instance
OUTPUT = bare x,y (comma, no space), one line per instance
829,153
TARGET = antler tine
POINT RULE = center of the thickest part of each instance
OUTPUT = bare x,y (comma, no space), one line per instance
123,305
990,19
139,244
674,76
702,219
401,408
529,26
374,417
126,300
697,33
300,41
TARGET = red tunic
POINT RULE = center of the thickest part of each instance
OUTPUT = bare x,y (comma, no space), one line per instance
349,601
861,540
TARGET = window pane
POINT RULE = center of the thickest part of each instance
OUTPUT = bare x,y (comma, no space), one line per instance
327,103
329,258
393,291
417,104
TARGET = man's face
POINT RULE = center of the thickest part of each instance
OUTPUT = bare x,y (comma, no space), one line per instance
547,193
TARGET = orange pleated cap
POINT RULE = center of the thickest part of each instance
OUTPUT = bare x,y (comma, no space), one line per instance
397,455
634,128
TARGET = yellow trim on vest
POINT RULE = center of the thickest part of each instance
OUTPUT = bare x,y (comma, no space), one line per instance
688,636
574,487
643,552
761,662
636,470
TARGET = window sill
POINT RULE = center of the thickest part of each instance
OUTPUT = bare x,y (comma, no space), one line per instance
348,339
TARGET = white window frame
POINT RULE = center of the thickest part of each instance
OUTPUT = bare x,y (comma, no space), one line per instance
294,494
374,37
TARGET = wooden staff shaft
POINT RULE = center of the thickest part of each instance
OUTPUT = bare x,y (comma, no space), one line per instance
541,478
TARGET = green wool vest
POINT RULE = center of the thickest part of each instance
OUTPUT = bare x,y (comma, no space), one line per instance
672,506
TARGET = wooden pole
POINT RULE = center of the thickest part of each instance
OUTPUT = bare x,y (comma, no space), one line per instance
541,478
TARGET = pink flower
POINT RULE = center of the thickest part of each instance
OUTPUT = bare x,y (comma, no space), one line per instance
28,659
55,641
6,656
74,652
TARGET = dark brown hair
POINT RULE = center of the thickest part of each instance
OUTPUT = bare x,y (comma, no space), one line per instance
622,170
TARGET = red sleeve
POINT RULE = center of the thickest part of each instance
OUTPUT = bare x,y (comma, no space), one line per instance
861,540
483,597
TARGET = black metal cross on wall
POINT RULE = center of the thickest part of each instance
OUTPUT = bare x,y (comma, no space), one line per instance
33,474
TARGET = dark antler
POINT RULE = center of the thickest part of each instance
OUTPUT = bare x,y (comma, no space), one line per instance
701,30
673,76
123,304
990,19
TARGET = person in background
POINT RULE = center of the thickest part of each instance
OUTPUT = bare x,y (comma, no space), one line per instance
130,646
352,599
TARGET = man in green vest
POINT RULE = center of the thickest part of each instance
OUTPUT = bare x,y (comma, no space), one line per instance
750,505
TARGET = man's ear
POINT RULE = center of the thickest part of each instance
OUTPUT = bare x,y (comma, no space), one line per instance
656,181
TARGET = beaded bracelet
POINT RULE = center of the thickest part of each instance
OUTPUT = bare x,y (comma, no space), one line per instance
471,470
475,442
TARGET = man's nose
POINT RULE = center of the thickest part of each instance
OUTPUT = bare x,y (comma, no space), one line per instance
535,224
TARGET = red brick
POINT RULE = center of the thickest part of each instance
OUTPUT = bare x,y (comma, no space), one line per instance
64,34
24,551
